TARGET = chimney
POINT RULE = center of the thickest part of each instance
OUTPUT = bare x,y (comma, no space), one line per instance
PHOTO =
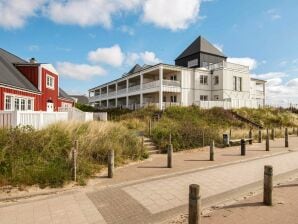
32,61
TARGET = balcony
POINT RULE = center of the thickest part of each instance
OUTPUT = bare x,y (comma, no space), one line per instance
171,83
134,88
112,93
121,91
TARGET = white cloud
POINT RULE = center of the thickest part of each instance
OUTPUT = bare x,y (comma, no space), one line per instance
250,62
126,29
111,56
293,83
33,47
270,75
273,14
173,15
14,13
79,71
149,58
88,12
146,57
274,82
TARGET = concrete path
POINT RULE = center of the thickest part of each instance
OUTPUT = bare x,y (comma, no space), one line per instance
154,199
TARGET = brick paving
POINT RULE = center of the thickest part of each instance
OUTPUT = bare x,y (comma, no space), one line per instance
150,193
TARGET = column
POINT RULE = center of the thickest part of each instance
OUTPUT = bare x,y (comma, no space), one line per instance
160,89
141,100
126,101
116,99
141,84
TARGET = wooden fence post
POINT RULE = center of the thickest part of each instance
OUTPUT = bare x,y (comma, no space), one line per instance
75,150
212,151
170,156
250,136
150,127
243,147
170,138
194,204
286,138
260,136
273,134
267,141
268,185
111,159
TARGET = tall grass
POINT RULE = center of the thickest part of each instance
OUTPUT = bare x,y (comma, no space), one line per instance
43,157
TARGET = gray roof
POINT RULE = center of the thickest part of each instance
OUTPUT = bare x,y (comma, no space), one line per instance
80,99
63,94
11,76
135,69
198,46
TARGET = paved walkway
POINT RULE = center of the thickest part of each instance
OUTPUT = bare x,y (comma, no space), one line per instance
141,199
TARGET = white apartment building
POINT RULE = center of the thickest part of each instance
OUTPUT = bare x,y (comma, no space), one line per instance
200,77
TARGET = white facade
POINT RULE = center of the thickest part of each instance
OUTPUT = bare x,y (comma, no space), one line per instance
225,84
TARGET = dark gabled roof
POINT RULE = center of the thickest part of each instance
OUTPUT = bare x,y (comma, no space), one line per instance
135,69
198,46
63,94
80,99
10,75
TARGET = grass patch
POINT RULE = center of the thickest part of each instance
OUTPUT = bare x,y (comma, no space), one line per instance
43,157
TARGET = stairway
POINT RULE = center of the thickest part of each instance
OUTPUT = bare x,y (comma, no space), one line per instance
150,146
246,120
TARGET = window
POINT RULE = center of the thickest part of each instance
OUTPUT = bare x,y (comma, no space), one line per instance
173,99
174,77
50,82
204,98
216,80
23,102
164,99
204,79
8,100
237,83
17,104
29,104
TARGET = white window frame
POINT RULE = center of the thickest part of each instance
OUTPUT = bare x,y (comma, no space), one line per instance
11,100
216,80
204,80
51,84
17,98
203,97
173,99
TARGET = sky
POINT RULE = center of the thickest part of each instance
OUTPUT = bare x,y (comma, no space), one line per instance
91,42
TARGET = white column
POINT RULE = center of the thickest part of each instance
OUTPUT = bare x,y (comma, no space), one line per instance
127,83
127,101
160,89
141,100
141,84
116,99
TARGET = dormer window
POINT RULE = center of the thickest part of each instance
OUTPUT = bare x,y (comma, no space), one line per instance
50,82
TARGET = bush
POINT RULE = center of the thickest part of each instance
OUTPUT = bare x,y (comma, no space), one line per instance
43,157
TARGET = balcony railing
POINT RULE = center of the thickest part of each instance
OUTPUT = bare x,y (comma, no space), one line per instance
171,83
121,91
134,88
150,85
112,93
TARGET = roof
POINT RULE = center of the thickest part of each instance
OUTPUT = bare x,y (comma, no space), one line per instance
63,94
10,75
80,99
198,46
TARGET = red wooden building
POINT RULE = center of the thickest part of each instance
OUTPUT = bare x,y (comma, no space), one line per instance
29,86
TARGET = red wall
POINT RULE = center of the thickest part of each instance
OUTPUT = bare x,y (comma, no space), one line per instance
49,94
31,73
3,90
60,101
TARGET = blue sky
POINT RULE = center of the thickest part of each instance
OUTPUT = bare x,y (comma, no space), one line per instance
94,41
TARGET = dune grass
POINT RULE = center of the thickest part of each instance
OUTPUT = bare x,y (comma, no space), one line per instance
43,157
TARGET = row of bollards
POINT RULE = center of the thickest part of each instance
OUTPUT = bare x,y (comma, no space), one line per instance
194,202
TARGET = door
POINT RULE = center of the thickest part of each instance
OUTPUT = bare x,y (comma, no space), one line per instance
50,107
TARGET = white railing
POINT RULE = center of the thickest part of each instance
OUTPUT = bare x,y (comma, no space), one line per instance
228,65
103,116
112,93
171,83
121,91
104,95
134,88
150,85
233,104
6,119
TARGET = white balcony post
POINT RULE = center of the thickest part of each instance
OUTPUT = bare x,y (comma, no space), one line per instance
141,100
107,103
127,85
160,88
127,102
141,85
